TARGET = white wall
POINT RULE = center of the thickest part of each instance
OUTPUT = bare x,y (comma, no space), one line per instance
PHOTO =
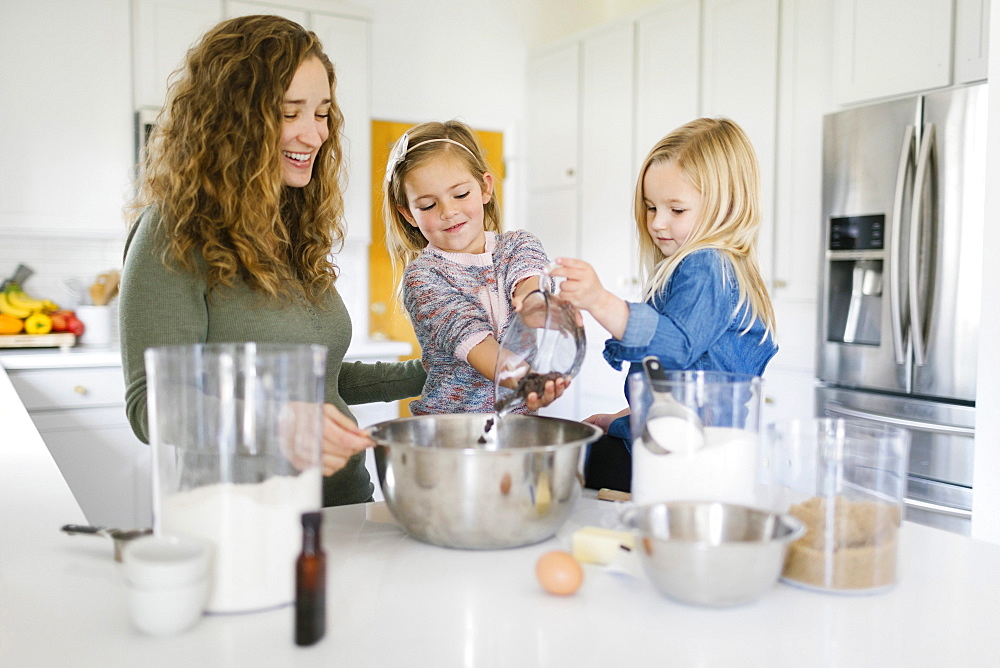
986,478
448,59
544,21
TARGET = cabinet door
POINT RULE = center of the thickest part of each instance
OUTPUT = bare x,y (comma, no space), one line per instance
972,39
667,53
804,96
346,42
234,8
552,118
740,81
66,127
106,467
607,225
163,32
607,169
788,395
891,47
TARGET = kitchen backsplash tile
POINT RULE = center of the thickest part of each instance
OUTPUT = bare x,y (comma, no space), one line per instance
58,262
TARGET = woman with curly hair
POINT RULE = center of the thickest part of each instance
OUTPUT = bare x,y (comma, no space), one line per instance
238,207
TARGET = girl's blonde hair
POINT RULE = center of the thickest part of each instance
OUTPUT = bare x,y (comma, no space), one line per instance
717,158
427,142
212,166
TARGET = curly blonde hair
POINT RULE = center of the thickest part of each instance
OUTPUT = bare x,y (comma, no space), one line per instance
212,166
717,158
404,241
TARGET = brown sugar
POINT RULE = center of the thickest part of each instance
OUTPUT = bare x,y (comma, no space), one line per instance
847,544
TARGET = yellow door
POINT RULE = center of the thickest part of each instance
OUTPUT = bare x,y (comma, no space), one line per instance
387,318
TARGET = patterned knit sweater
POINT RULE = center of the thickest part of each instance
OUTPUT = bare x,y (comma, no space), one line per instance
455,300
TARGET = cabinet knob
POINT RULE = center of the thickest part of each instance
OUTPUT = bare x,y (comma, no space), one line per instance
768,400
570,172
779,283
80,389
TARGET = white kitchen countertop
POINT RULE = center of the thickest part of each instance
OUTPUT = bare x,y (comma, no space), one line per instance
393,601
83,356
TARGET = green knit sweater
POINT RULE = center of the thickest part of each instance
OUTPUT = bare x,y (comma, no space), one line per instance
162,306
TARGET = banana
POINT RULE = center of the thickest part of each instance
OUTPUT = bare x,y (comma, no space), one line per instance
10,309
19,299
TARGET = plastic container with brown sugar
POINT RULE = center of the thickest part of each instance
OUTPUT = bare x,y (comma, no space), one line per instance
845,479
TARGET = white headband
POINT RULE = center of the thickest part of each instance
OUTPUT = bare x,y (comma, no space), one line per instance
402,147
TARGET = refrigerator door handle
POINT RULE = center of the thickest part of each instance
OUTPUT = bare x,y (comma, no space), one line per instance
918,425
895,245
915,270
937,508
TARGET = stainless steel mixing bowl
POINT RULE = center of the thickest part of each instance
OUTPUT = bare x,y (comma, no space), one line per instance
711,553
449,483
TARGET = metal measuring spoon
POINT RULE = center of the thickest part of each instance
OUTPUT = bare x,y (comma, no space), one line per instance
670,426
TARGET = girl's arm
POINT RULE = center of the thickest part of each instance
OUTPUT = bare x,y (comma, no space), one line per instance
582,288
604,420
483,357
523,289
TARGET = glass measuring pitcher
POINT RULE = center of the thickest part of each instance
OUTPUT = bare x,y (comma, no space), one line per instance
236,431
721,464
544,341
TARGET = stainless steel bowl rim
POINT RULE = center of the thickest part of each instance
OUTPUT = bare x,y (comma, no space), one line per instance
796,527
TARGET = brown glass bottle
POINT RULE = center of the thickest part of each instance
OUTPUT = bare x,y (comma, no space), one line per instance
310,583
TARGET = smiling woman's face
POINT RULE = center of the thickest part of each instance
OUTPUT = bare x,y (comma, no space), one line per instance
305,110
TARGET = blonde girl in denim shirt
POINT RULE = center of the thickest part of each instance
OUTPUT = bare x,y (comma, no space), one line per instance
705,307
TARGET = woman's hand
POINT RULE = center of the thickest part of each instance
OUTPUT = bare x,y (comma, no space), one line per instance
342,439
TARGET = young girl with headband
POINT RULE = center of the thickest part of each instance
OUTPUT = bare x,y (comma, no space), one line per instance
697,210
462,275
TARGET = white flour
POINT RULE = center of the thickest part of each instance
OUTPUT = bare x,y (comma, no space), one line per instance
724,469
675,434
257,533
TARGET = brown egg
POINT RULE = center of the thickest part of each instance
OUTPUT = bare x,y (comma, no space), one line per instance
559,573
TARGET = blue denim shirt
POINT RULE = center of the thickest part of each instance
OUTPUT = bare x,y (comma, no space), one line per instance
692,324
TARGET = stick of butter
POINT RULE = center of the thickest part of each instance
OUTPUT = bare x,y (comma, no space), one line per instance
597,545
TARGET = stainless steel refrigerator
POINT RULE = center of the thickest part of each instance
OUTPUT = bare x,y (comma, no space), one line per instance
900,284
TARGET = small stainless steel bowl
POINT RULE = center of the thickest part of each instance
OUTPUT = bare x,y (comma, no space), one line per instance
449,483
712,553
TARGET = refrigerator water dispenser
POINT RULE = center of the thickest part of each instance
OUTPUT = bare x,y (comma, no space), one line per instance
854,300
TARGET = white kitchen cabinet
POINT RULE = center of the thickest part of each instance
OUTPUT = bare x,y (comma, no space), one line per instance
607,169
347,43
804,96
80,414
163,31
666,70
788,395
607,185
552,131
740,81
553,103
552,137
234,8
972,39
891,47
66,119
